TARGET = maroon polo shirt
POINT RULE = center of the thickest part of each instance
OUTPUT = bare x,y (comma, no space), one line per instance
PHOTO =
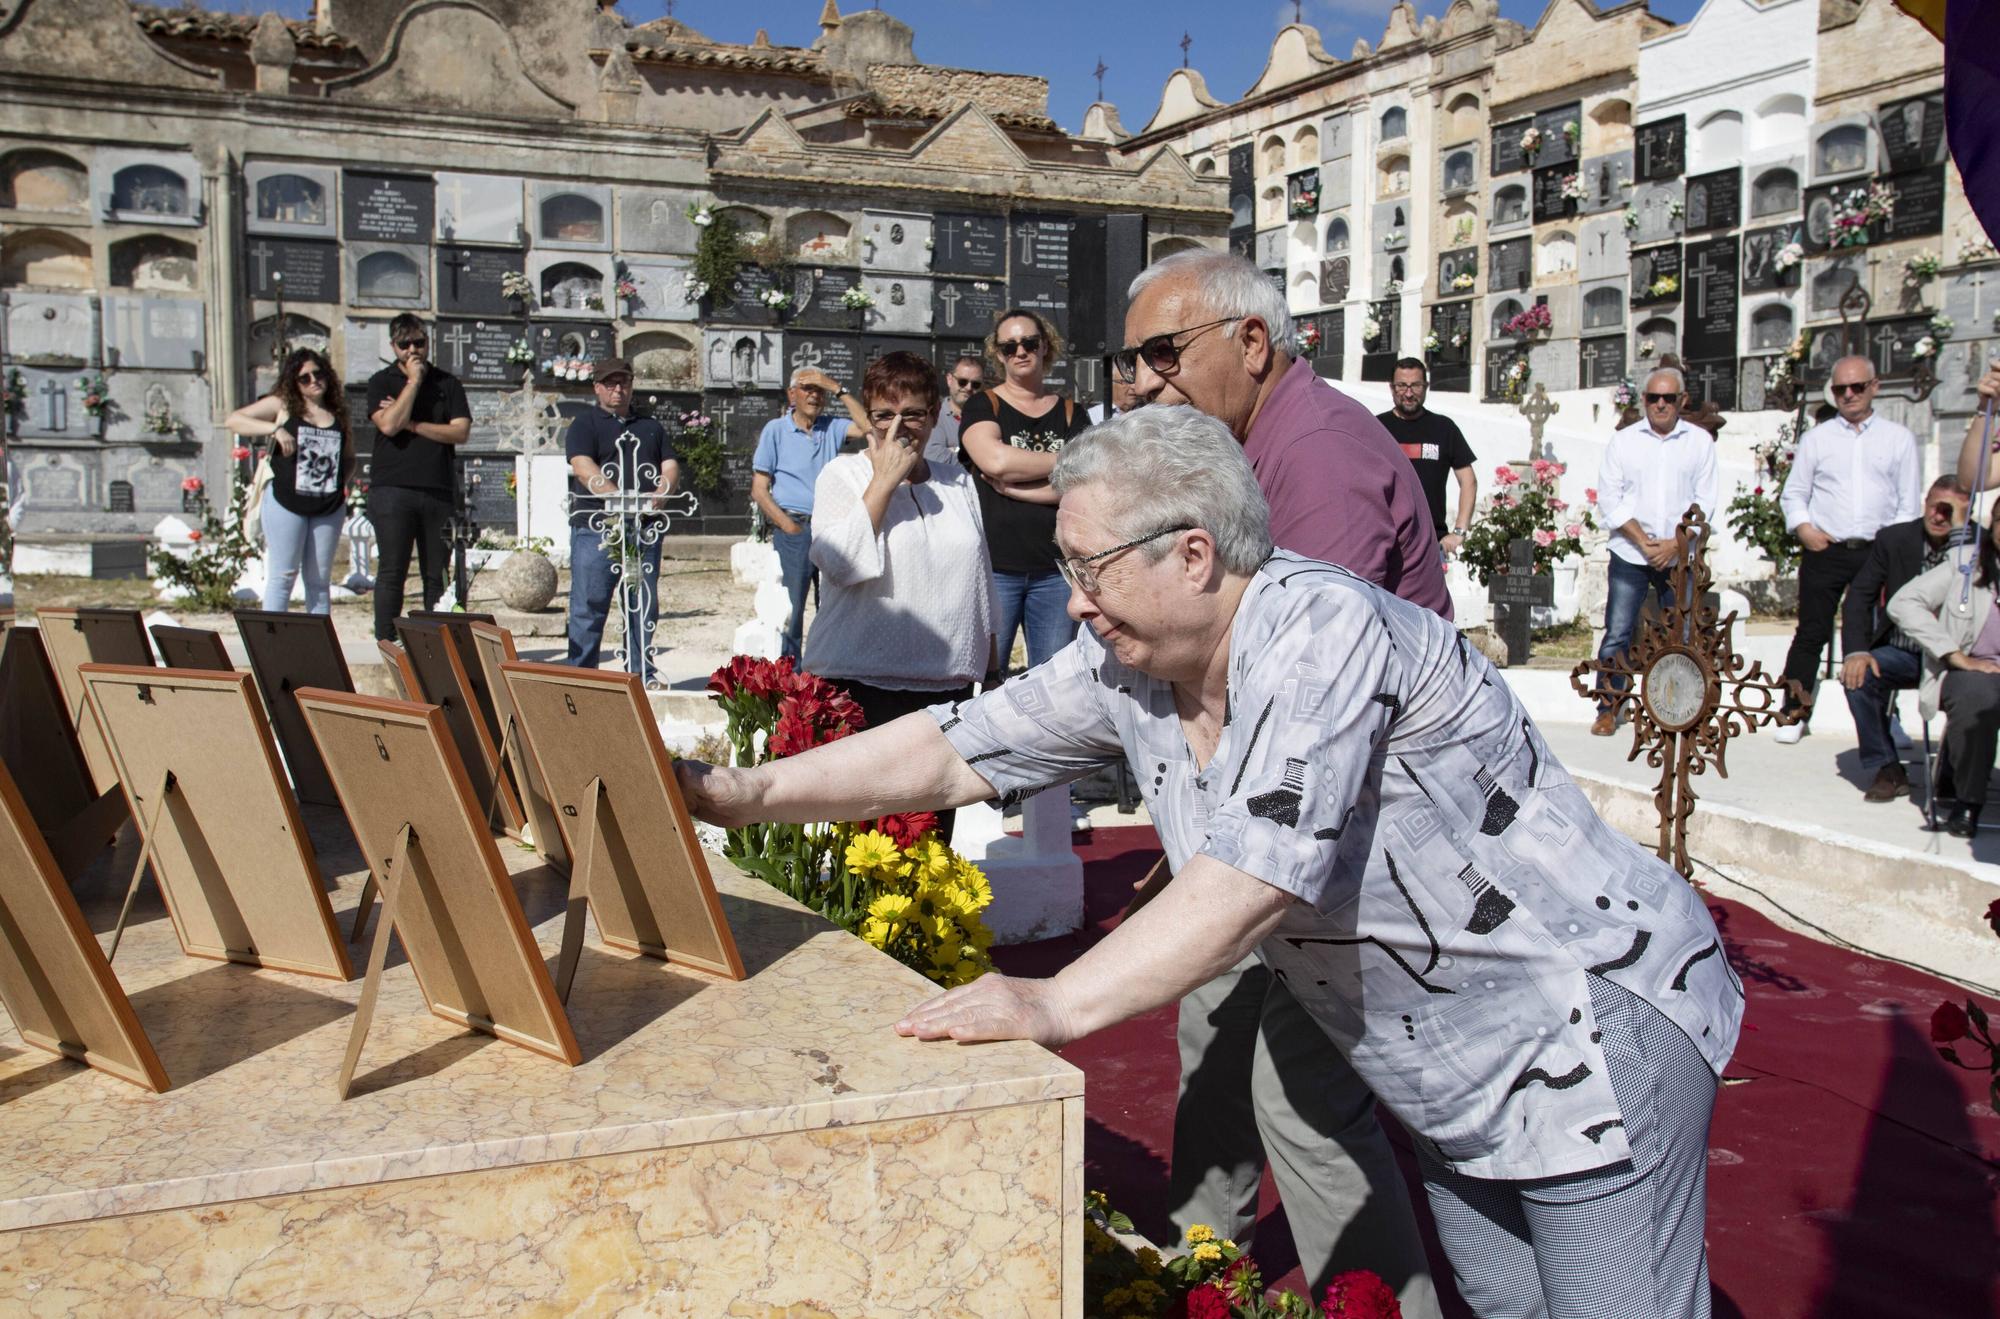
1341,490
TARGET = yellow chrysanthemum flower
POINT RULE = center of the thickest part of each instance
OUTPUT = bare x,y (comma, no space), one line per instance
876,931
891,907
1208,1252
1200,1232
873,853
972,880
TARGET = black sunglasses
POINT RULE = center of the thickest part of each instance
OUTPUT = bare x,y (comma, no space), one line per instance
1008,347
412,343
310,377
1661,398
1857,387
1160,353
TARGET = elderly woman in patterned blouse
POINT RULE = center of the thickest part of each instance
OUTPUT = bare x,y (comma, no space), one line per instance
1344,785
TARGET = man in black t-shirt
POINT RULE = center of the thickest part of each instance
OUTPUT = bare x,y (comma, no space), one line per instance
599,463
420,415
1434,447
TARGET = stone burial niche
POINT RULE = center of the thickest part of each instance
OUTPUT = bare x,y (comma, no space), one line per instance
574,216
573,286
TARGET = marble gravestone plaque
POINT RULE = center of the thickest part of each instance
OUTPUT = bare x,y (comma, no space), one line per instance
483,479
154,477
52,406
1750,388
1831,344
1712,380
1270,254
1919,205
1508,265
1912,131
1655,204
895,241
1498,362
902,304
1553,363
1336,187
839,355
1600,362
476,351
60,481
158,334
1710,300
1451,364
1549,202
1039,244
584,341
662,295
1607,182
134,396
301,269
968,244
1714,201
1892,344
744,304
387,208
1822,204
1761,273
572,217
744,359
816,299
1330,356
653,221
265,352
388,275
1556,148
479,208
1336,137
1046,294
288,199
1335,277
1507,155
1659,150
365,349
961,307
1972,298
1602,250
1961,363
1463,261
469,280
56,328
1829,279
1649,266
486,406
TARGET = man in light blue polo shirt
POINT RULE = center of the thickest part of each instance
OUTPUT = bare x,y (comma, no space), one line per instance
790,453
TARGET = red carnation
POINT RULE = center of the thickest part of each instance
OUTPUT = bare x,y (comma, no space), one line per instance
1205,1302
1359,1294
907,827
1993,915
1949,1024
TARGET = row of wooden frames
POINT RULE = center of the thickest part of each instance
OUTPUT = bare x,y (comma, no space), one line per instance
211,764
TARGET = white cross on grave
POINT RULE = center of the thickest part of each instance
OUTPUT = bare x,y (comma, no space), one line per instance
1707,376
947,231
457,190
951,297
1538,407
1699,275
1884,353
1027,257
458,339
631,520
807,354
55,406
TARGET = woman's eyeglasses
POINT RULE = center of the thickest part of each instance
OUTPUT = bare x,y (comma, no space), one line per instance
1008,347
1082,572
908,418
1161,352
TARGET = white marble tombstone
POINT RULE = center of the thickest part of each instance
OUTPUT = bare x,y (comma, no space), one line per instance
147,187
155,477
661,282
388,275
60,482
1961,363
57,328
161,334
134,395
902,304
1972,300
1655,204
743,359
564,280
1270,251
895,240
1827,279
1554,364
1565,315
572,216
1602,249
1336,185
479,208
52,405
652,220
1336,137
365,349
1607,183
285,198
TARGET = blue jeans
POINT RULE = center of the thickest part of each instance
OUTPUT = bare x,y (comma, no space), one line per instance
591,586
1038,602
1629,583
795,563
292,542
1902,670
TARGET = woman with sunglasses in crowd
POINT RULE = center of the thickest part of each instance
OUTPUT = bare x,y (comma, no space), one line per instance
1010,436
906,617
312,454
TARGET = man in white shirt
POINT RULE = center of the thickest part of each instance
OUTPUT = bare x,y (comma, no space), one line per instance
1855,473
1653,470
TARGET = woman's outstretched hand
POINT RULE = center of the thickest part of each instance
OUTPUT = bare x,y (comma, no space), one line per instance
716,793
994,1007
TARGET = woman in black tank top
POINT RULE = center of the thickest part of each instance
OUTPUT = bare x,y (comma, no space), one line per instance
312,454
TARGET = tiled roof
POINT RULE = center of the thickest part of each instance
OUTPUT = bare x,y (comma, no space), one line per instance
201,25
669,41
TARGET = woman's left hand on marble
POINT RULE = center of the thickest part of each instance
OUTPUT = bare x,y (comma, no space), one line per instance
994,1007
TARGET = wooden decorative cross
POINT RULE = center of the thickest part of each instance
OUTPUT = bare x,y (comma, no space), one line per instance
1686,690
1538,407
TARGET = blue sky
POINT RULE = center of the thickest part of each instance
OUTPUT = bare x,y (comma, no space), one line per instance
1062,40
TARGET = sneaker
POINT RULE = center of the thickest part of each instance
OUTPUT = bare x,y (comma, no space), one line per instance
1790,734
1079,818
1605,724
1891,781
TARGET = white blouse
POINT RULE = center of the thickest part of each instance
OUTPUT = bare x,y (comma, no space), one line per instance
908,607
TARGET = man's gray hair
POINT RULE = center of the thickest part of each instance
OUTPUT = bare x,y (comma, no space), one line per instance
1680,377
1229,285
793,383
1173,467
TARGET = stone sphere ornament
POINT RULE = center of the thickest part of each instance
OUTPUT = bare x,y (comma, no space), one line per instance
525,581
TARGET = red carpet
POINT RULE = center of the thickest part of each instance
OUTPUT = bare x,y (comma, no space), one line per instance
1852,1172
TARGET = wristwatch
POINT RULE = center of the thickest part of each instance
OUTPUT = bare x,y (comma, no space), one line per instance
840,391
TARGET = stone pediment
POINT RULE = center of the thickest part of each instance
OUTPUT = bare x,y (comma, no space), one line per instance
94,39
1296,55
968,138
1185,96
1402,26
457,45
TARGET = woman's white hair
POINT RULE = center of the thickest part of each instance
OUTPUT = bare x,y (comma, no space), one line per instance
1173,467
1230,286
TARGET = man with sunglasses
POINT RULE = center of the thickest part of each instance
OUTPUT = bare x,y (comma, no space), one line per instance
1855,473
1882,659
1258,1084
420,416
1652,470
966,378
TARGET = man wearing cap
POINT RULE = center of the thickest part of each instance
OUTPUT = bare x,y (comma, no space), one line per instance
601,460
783,470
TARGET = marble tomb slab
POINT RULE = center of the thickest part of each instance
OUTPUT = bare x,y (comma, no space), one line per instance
51,328
479,208
661,297
650,220
895,240
135,394
160,334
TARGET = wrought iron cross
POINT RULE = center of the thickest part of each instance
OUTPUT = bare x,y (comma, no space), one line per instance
1686,690
1098,73
1186,41
631,520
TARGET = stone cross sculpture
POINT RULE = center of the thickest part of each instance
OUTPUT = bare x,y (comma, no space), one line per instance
528,422
1687,691
1538,407
631,521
